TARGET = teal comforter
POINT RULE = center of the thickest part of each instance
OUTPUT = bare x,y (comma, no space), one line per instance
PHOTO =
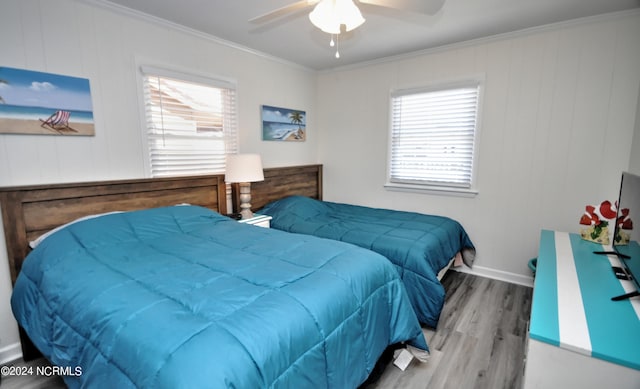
181,297
419,245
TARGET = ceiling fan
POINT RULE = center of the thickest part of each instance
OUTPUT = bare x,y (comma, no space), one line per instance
330,15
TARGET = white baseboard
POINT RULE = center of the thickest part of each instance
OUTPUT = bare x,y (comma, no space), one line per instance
498,275
10,353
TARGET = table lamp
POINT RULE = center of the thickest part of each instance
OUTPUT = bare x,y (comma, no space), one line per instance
244,169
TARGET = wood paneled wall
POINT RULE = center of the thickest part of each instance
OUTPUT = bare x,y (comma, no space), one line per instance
558,109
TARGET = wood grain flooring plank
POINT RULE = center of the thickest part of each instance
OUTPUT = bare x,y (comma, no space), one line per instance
479,342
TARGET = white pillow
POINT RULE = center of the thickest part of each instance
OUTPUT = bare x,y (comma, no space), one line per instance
44,236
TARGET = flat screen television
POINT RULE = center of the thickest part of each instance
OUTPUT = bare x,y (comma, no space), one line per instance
626,235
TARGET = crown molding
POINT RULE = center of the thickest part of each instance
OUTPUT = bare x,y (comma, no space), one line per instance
122,10
493,38
107,5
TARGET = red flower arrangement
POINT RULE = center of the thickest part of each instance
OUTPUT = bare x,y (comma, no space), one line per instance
598,230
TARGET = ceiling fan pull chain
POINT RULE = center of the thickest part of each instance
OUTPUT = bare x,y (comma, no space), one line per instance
332,43
337,46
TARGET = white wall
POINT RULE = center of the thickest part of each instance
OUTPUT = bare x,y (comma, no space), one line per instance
557,125
558,118
83,40
634,161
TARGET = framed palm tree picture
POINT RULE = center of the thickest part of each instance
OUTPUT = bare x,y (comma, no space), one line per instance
283,124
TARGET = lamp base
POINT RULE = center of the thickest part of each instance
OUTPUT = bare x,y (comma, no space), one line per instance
245,200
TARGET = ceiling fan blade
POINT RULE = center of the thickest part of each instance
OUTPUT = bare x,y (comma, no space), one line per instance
428,7
282,11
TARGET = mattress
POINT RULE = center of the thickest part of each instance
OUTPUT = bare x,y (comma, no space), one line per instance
418,245
184,297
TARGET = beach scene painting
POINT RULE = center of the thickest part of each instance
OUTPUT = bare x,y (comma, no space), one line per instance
44,103
283,124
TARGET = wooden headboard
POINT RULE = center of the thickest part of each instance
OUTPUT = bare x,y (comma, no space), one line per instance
279,182
30,211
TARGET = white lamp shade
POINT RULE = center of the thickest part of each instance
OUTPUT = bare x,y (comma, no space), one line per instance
329,15
244,168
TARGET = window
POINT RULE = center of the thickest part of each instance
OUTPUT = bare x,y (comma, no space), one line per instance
433,133
190,123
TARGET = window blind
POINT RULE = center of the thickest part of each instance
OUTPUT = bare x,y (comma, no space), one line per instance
433,135
191,125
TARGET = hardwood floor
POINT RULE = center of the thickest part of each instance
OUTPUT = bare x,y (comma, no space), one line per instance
479,342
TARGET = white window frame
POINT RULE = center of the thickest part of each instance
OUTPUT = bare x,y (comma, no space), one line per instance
432,186
231,139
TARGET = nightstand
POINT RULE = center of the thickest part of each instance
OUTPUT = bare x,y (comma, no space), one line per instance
258,220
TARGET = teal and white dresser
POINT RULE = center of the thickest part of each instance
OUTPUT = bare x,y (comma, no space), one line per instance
578,337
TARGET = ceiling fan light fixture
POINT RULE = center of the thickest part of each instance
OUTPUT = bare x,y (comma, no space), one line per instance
329,15
349,14
323,18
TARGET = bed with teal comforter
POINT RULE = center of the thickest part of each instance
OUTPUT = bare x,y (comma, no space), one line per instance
182,297
418,245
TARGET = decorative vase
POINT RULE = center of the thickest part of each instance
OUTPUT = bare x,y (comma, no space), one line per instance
597,233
